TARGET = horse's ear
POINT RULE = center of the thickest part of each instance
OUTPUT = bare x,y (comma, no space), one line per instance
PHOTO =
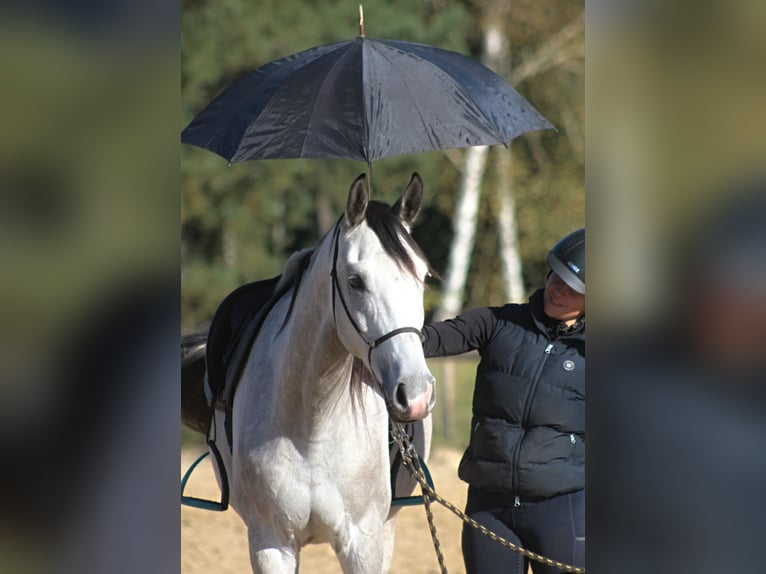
407,206
356,204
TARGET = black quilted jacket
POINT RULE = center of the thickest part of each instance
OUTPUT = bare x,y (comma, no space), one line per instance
528,426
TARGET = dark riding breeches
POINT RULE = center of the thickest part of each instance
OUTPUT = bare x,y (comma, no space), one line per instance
553,527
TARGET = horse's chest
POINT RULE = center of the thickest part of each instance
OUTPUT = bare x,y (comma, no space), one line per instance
310,495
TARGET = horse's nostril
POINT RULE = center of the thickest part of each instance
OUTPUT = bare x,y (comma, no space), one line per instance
401,396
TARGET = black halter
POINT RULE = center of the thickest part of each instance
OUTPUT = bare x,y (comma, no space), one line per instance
369,341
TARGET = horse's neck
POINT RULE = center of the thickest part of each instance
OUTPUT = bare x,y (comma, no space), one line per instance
313,366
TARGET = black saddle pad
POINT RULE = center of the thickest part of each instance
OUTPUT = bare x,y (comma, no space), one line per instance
229,322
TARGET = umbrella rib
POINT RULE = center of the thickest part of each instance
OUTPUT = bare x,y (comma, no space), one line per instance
468,96
316,101
257,117
457,84
412,97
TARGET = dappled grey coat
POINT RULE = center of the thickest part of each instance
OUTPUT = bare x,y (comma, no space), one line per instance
528,425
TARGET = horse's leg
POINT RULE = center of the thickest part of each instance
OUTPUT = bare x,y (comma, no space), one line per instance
388,543
271,556
364,554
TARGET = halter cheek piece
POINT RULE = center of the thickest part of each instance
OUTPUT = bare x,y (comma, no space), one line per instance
369,341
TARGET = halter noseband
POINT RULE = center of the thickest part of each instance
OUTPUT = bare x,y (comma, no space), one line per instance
369,341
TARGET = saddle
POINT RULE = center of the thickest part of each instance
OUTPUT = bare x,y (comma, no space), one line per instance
232,332
230,321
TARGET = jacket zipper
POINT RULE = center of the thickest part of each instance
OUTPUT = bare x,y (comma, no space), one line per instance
525,415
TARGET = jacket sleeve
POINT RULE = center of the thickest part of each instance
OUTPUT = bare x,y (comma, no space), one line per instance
464,333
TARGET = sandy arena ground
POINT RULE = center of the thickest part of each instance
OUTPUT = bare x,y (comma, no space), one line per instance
217,541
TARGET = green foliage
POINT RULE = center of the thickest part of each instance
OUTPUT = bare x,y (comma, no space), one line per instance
457,416
241,223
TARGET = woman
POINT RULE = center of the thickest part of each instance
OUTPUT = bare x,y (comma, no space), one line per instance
525,464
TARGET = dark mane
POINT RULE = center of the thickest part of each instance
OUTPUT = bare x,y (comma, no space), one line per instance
390,232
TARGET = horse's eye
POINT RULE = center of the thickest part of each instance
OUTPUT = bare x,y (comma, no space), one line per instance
356,282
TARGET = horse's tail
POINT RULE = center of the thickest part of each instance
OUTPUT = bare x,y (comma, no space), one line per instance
195,412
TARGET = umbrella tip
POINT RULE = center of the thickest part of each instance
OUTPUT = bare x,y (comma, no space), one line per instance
361,21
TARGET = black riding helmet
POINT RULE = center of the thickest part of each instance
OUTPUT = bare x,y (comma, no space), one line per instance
567,260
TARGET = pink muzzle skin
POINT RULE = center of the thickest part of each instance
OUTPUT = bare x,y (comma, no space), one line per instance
421,405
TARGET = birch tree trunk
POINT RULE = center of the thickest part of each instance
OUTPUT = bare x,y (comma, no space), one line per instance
513,277
464,225
467,209
498,58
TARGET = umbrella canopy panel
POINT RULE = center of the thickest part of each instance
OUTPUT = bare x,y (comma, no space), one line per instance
362,99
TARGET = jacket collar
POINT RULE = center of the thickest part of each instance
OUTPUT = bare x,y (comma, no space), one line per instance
549,326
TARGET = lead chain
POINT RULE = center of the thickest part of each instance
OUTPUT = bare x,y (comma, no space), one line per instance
411,462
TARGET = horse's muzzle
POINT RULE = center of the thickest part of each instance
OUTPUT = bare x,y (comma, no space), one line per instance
412,400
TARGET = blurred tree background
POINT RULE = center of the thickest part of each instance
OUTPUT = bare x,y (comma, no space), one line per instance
240,223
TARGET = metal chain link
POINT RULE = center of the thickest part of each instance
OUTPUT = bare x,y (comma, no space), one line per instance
411,462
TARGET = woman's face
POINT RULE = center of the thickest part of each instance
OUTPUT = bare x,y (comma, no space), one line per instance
561,302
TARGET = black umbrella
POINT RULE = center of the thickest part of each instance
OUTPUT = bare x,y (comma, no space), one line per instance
362,99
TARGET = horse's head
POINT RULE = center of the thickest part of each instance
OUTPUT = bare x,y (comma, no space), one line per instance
378,281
